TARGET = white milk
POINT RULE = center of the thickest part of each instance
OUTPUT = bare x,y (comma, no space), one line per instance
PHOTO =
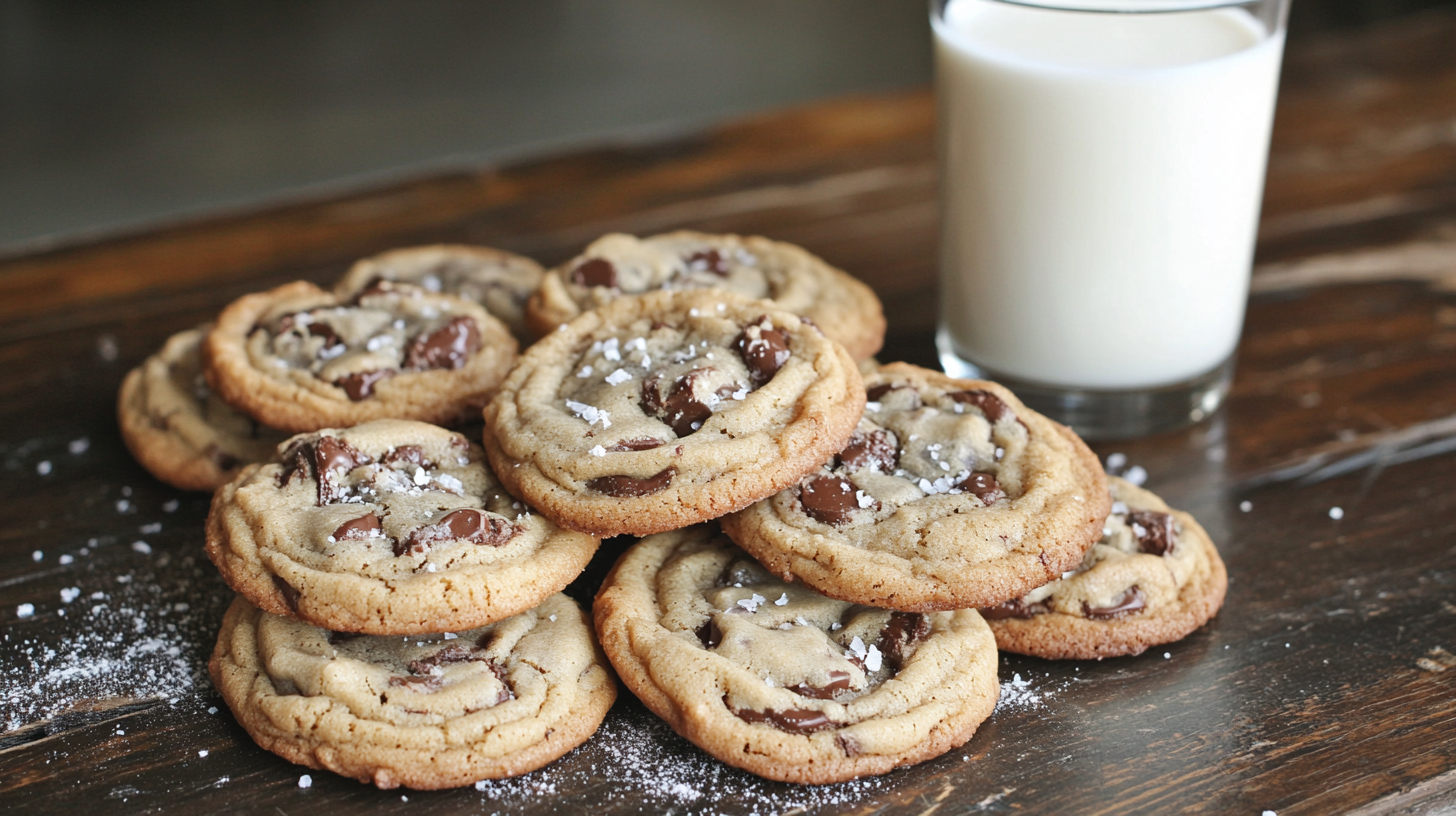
1101,183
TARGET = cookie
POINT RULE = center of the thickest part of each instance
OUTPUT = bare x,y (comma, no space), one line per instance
179,429
655,412
427,712
784,682
1153,578
616,265
498,280
390,528
950,494
301,359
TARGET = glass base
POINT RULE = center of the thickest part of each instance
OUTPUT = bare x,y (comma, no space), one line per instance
1107,414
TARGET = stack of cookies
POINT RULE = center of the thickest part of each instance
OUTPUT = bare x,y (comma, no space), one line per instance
819,531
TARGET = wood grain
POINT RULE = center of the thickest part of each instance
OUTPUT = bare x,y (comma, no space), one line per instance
1326,684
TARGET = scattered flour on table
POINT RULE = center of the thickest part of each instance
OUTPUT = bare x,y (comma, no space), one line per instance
1018,694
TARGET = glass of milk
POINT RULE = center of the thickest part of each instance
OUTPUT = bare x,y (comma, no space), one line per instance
1102,165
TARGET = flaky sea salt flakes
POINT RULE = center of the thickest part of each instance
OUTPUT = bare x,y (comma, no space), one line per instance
590,413
37,555
857,646
783,599
873,659
1116,461
170,506
305,781
79,446
142,547
43,467
751,604
1246,506
872,406
24,610
150,529
1136,475
451,636
618,377
1337,513
70,594
864,499
598,451
67,559
122,505
202,753
586,371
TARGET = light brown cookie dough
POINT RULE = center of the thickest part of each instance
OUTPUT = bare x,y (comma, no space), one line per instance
498,280
1153,578
779,680
181,431
426,712
389,528
796,281
300,359
950,494
656,412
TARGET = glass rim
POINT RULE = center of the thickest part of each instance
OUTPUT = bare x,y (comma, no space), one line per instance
937,7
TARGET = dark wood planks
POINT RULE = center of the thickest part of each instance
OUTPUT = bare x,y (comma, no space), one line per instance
1345,397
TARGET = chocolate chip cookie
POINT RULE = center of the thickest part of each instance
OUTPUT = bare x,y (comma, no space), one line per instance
754,267
300,359
179,429
659,411
779,680
427,712
949,494
498,280
390,528
1153,578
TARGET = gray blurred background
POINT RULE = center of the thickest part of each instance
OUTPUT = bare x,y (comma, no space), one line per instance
114,115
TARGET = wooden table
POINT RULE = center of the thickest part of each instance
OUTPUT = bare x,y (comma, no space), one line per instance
1328,683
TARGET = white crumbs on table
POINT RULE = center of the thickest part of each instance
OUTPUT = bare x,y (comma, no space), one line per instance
1337,513
1246,506
202,753
79,446
43,467
142,547
70,594
305,781
25,610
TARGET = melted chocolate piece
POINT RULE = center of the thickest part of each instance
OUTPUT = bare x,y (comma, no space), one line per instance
221,458
1014,608
874,394
900,635
645,443
360,384
709,633
765,354
1132,600
290,595
838,681
465,524
710,260
331,453
984,487
1154,531
324,330
299,459
446,347
454,653
419,685
829,499
406,455
793,720
595,272
849,745
682,408
366,526
871,450
627,487
990,404
651,397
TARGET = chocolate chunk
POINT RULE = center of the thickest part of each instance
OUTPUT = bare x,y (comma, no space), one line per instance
360,384
849,745
764,350
1154,531
1132,600
454,653
683,412
642,444
465,524
446,347
651,396
900,635
366,526
406,455
874,394
595,272
829,499
990,404
627,487
333,454
709,260
709,633
793,720
377,285
224,460
872,450
984,487
298,464
838,681
419,685
290,595
1014,608
331,338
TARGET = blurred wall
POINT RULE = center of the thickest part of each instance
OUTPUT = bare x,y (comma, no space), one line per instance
116,114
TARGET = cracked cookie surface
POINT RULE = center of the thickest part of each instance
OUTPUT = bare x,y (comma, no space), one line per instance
1153,578
656,412
390,527
426,712
498,280
300,359
179,429
751,266
780,680
950,494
